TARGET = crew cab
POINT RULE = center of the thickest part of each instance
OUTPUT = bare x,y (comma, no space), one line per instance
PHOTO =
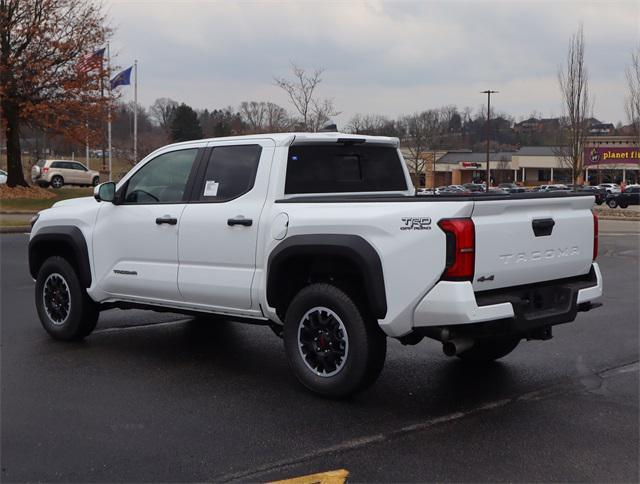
322,237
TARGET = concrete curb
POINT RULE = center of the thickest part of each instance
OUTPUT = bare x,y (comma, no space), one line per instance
18,229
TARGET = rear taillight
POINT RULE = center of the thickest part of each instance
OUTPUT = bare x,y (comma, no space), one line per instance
461,248
595,236
45,169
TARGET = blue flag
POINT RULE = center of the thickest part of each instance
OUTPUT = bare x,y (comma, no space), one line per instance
121,79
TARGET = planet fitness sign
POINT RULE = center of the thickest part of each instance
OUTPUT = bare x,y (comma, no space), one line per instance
614,156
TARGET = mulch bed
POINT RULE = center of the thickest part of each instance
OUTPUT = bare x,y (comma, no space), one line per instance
35,193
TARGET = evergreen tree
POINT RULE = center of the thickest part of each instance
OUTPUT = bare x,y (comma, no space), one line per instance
185,125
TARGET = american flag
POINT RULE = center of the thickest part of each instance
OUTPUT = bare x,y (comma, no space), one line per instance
91,61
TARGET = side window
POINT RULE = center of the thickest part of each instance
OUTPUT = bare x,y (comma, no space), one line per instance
340,168
231,172
161,180
58,164
78,166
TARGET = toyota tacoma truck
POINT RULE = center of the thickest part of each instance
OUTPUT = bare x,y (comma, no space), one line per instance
322,237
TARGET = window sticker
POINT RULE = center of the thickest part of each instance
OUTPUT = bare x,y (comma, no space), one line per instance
211,188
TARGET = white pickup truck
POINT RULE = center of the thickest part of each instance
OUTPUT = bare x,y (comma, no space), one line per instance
322,237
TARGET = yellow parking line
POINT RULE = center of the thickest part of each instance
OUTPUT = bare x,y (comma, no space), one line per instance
330,477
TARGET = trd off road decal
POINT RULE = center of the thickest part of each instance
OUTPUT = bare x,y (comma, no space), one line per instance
416,223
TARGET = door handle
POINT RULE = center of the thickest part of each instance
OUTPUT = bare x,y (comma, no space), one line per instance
166,219
239,220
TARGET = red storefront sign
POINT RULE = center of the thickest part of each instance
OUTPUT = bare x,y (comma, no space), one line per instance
470,164
595,156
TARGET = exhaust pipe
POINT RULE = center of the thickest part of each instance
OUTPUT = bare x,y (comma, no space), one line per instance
456,346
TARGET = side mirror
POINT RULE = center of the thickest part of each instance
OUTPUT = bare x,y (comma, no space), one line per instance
105,192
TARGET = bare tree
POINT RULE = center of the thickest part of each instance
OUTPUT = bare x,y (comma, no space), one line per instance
313,111
576,104
371,124
276,118
162,110
322,112
632,105
253,113
264,117
420,130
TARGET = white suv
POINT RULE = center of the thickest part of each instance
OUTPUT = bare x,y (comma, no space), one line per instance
610,187
63,172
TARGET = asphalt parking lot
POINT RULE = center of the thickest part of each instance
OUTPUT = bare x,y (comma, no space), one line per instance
162,397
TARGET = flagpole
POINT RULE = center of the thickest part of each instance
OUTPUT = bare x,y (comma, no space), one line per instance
109,115
135,111
86,144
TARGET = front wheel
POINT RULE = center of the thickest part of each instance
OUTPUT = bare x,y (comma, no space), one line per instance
95,181
624,205
489,349
65,310
333,348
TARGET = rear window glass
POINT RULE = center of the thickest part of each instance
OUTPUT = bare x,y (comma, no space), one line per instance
337,168
41,163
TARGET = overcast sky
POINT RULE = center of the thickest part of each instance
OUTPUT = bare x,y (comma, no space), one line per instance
386,57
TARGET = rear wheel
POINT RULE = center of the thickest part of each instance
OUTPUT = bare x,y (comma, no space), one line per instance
333,348
612,203
57,181
65,310
490,349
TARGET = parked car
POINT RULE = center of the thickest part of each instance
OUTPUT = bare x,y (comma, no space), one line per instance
631,196
610,187
599,193
558,187
58,173
498,191
512,188
424,191
3,176
474,187
298,232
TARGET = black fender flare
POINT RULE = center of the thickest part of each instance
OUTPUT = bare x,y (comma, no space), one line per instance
67,235
352,247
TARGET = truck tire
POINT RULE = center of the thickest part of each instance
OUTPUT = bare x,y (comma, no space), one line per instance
624,204
332,347
490,349
64,307
612,203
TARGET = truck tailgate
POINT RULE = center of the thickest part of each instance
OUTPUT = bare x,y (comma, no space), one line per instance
524,241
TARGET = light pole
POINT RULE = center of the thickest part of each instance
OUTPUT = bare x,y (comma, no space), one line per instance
488,92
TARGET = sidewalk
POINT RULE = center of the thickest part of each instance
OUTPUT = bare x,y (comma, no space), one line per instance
619,226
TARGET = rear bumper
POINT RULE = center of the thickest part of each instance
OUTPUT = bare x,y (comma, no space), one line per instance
523,307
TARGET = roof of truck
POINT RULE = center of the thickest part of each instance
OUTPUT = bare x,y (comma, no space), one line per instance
285,139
